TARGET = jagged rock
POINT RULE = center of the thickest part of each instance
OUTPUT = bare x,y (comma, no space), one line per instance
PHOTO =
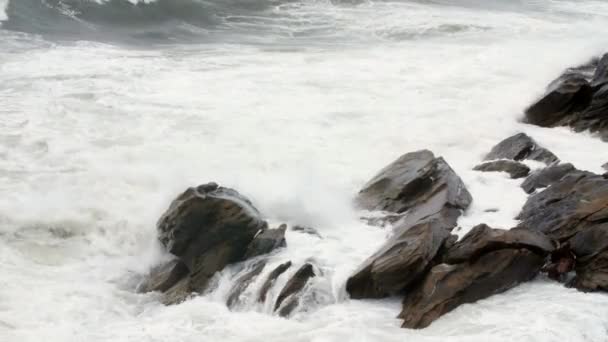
307,230
207,228
433,197
513,168
241,284
591,250
163,277
547,176
400,262
292,288
482,239
576,202
446,287
411,181
267,241
520,147
272,277
576,99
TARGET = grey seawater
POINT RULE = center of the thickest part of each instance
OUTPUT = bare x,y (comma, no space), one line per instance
109,109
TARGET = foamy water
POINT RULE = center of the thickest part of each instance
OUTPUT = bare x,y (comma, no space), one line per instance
296,109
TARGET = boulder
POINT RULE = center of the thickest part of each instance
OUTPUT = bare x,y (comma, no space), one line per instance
573,204
594,117
513,168
411,182
431,197
547,176
400,262
294,286
207,228
520,147
481,239
446,286
272,277
164,276
267,241
241,284
590,248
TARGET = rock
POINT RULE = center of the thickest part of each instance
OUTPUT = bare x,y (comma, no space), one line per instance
292,288
575,203
547,176
432,197
272,277
267,241
591,250
513,168
446,287
400,262
600,77
520,147
605,166
307,230
207,228
164,277
482,239
568,94
241,284
594,117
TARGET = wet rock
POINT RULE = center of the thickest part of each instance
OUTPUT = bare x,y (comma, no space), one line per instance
307,230
591,250
411,181
241,284
207,228
400,262
294,285
163,277
267,241
575,203
446,286
600,77
482,239
272,277
513,168
432,197
520,147
547,176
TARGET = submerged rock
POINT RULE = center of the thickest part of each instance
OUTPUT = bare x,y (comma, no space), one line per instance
267,241
207,228
446,286
294,285
241,284
513,168
573,204
272,277
432,197
520,147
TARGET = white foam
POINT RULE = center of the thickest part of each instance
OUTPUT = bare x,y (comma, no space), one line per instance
96,140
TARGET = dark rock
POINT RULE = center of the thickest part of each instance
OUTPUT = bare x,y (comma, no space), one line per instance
568,94
600,77
591,250
241,284
575,203
267,241
446,287
595,117
292,288
513,168
207,228
605,166
165,276
520,147
560,264
547,176
400,262
307,230
432,197
410,181
482,239
272,277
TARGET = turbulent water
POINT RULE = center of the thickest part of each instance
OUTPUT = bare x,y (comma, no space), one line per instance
110,109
